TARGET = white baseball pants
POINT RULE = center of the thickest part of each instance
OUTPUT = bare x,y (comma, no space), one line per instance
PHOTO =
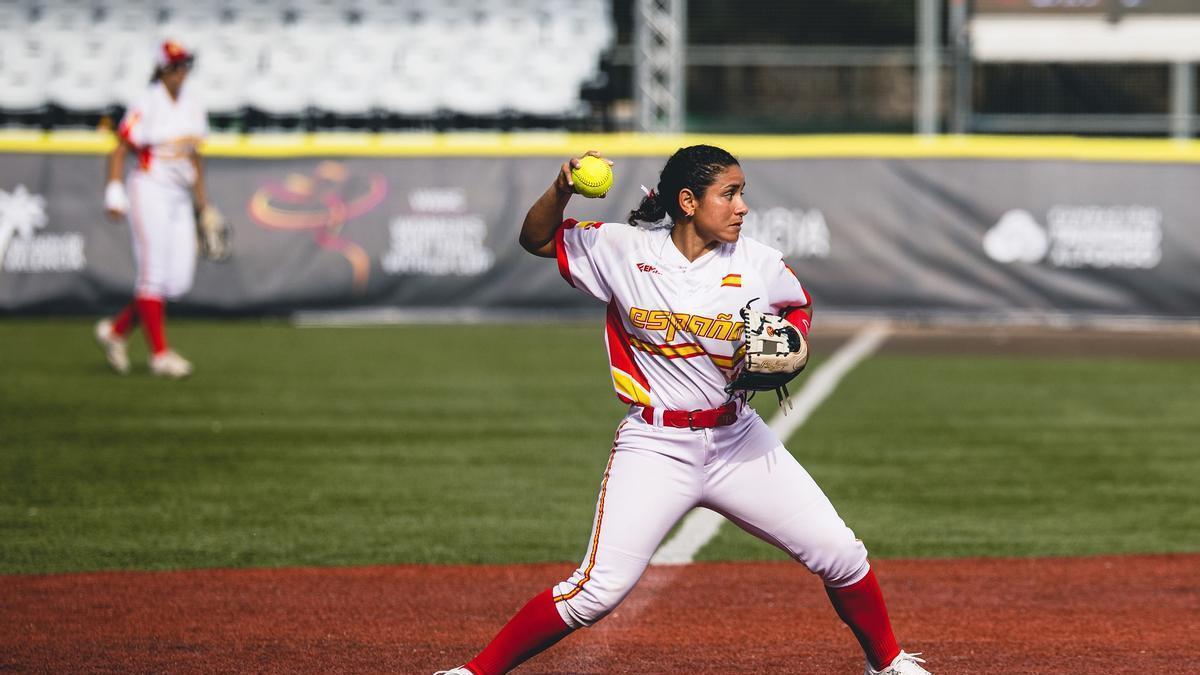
164,237
657,474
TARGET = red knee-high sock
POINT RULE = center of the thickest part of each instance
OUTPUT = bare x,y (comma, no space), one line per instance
533,630
861,606
125,320
153,318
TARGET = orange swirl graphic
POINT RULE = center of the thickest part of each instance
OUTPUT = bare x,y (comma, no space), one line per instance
320,202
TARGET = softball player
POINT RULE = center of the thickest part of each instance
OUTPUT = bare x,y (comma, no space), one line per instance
164,129
673,283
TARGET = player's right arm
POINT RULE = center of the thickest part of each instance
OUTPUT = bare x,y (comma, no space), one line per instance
546,214
116,202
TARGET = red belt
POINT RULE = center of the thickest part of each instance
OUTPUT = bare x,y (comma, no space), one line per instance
695,419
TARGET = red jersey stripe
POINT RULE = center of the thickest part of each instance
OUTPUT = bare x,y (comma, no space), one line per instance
620,354
560,251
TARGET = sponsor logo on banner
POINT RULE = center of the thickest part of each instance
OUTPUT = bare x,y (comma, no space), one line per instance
797,233
22,249
323,202
1017,237
1128,237
440,237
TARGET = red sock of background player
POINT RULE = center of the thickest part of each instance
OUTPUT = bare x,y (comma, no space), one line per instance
530,632
151,312
125,320
861,606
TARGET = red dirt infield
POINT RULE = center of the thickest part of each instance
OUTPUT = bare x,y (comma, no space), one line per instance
1112,614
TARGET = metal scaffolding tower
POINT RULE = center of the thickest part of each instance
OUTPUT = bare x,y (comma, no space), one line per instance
660,42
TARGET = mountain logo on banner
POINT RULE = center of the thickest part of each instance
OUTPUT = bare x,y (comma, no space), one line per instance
1017,237
22,249
1074,236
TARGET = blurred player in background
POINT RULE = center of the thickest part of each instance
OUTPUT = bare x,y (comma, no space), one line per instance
673,279
160,197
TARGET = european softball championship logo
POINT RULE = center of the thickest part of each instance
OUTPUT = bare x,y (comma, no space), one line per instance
323,202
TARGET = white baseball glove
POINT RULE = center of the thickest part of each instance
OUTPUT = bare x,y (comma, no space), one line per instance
776,352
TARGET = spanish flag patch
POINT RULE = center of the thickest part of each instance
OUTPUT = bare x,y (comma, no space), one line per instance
734,280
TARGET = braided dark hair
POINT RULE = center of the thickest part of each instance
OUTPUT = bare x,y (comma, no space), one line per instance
695,167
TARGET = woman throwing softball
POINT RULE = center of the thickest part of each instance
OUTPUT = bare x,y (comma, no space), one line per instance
165,190
674,278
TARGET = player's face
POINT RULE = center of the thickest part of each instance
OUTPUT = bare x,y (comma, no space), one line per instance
720,210
173,77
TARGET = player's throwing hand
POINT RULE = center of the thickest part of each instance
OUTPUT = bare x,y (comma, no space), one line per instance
565,183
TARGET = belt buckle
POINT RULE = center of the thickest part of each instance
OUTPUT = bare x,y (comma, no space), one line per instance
691,423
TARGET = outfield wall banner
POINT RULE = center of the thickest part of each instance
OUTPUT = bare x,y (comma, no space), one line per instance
888,235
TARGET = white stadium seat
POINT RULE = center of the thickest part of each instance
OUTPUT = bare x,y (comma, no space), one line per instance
279,93
81,89
126,20
346,93
223,92
417,97
129,85
25,52
13,18
22,90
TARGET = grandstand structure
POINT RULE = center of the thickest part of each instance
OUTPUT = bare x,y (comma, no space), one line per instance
314,63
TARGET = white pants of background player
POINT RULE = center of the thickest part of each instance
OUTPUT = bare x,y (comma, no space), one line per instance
164,237
656,474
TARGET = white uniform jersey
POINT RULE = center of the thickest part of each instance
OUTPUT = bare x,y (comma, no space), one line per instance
164,131
674,332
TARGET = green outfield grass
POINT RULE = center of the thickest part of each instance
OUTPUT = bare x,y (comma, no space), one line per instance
486,444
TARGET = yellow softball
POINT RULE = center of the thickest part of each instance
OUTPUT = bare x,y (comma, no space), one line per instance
593,177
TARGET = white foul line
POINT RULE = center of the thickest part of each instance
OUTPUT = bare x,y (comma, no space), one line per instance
701,525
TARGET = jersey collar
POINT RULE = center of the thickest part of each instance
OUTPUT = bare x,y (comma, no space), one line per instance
670,255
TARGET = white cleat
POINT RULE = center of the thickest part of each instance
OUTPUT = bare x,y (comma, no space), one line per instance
461,670
114,347
169,364
904,664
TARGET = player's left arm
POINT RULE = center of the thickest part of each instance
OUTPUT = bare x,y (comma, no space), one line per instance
194,140
211,226
788,298
200,187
